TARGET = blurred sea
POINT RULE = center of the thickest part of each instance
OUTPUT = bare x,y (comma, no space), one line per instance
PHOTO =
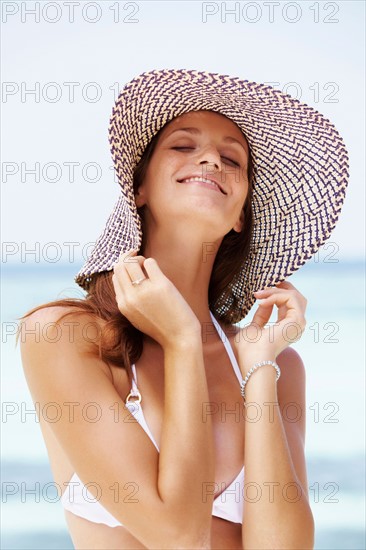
333,351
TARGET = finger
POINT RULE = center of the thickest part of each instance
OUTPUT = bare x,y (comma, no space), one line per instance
120,294
124,255
152,269
265,293
129,267
286,284
118,287
129,257
289,308
280,298
291,321
135,269
121,278
283,285
263,314
289,286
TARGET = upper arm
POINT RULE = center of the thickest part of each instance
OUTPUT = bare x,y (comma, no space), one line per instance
291,391
100,437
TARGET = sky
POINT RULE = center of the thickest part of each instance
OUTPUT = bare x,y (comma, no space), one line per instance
58,187
57,178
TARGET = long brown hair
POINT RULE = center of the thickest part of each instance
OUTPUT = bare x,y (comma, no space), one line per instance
118,341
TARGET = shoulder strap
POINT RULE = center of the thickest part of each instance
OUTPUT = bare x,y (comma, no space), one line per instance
134,391
225,340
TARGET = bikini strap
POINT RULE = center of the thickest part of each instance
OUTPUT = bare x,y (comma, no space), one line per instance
134,391
225,340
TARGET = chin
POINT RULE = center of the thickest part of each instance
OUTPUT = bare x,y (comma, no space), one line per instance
202,213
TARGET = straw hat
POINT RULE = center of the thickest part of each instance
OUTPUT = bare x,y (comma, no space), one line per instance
300,172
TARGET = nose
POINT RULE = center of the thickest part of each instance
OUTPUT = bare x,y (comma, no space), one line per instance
210,156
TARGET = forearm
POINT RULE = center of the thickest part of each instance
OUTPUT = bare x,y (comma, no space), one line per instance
186,459
276,510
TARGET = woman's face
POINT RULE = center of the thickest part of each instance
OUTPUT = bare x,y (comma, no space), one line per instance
200,144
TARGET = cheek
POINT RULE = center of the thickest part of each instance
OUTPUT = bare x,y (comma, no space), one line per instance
161,176
244,197
157,189
242,192
160,165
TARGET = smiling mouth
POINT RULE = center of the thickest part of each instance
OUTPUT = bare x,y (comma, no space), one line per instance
204,182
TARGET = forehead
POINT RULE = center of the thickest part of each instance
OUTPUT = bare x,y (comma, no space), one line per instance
205,120
211,123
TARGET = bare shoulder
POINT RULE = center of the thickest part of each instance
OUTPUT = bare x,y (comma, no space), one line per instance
53,314
60,327
101,442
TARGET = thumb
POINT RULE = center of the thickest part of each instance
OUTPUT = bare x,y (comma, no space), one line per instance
262,315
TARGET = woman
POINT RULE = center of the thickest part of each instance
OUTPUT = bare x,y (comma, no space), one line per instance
227,187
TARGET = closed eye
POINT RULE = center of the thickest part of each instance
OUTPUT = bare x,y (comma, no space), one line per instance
190,148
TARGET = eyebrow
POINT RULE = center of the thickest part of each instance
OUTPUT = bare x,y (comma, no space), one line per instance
192,130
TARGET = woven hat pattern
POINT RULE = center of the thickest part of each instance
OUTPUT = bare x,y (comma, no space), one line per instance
300,166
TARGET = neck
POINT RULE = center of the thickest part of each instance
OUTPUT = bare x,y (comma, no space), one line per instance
188,263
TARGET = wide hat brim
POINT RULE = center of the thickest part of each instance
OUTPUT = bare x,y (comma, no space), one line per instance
300,173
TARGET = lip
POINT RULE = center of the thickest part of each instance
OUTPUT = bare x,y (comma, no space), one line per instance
214,180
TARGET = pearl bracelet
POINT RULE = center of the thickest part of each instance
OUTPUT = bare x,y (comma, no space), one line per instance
255,367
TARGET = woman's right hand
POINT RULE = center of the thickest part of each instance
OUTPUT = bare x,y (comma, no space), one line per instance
155,306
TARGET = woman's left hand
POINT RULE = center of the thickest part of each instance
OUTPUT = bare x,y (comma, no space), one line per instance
255,342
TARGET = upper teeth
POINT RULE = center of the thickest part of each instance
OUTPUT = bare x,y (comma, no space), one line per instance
202,179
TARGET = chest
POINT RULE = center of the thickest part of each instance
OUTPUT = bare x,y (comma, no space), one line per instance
224,407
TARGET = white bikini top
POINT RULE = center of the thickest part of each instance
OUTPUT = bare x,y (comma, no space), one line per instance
227,505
